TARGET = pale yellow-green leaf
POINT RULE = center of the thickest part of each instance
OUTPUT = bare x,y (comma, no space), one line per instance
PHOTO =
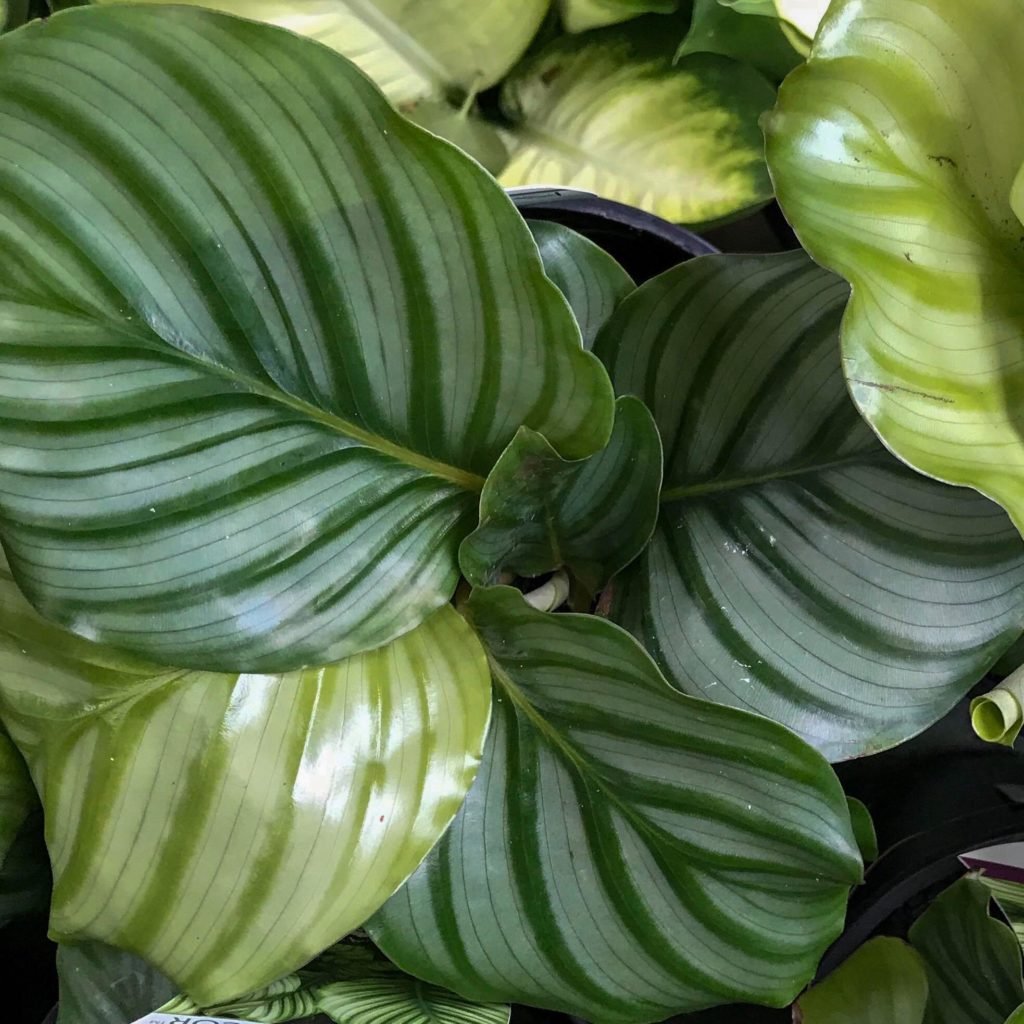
227,828
412,49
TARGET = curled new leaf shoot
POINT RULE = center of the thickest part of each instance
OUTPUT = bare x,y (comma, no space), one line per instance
998,717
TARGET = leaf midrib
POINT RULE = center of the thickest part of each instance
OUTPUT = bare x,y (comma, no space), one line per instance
404,44
151,341
722,485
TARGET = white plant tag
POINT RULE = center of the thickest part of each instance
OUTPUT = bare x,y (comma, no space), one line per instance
184,1018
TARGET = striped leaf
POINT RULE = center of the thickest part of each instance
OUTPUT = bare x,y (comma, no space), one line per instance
413,51
481,140
611,112
287,999
884,982
895,152
230,827
24,870
1009,895
581,15
539,513
626,852
261,341
973,961
367,989
591,281
797,569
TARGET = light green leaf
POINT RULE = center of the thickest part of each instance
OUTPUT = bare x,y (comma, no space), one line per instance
470,133
581,15
973,961
103,985
229,828
539,513
24,869
863,829
884,982
591,280
1017,1017
798,570
894,153
261,341
610,112
757,41
366,989
998,716
626,852
763,8
412,49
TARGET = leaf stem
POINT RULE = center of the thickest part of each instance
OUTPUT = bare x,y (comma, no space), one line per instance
550,595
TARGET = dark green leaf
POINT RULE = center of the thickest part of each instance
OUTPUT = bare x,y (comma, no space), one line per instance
24,867
539,513
757,41
1010,897
798,570
261,340
884,982
973,961
863,829
611,112
103,985
626,852
592,282
230,827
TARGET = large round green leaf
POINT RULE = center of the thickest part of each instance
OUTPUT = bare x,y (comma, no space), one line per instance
612,112
261,340
884,982
973,961
798,569
229,827
626,852
894,153
594,516
412,49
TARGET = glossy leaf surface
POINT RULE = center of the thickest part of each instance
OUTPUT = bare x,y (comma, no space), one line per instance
798,570
412,49
611,112
260,342
757,41
591,280
103,985
895,152
230,827
539,513
973,960
884,982
581,15
626,852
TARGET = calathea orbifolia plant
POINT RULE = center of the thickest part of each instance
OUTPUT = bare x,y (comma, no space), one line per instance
279,369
